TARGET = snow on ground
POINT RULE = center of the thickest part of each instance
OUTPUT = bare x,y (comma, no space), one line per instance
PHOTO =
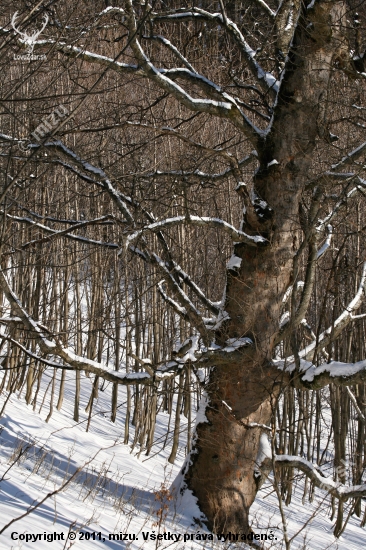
117,492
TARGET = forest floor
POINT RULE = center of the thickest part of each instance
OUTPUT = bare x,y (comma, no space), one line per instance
111,493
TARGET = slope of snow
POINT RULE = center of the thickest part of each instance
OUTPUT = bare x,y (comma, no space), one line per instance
115,492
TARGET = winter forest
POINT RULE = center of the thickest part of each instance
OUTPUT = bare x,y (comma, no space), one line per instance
183,274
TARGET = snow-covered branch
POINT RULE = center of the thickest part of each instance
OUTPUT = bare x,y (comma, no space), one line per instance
175,51
342,374
64,232
156,227
223,106
336,489
185,308
265,79
341,204
313,377
235,234
49,345
339,373
266,8
32,355
53,347
198,292
87,172
97,172
226,107
198,174
182,312
91,57
326,243
355,404
351,157
183,276
339,324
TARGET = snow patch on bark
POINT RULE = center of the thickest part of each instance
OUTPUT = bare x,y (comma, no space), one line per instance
186,503
234,263
236,343
264,453
264,450
201,413
223,315
285,318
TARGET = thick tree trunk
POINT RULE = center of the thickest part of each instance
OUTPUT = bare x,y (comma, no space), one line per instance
223,460
221,474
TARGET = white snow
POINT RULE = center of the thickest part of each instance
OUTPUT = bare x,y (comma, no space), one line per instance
237,343
119,491
234,262
327,242
284,319
222,316
264,450
201,413
290,21
113,9
190,354
201,375
334,368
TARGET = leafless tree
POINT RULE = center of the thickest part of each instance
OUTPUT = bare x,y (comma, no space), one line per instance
190,129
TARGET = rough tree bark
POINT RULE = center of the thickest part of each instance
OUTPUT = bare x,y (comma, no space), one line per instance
221,471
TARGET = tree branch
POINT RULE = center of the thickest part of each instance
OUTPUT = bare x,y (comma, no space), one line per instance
226,108
198,292
336,489
339,324
266,8
201,176
235,234
64,232
50,347
173,49
351,157
341,204
265,79
187,307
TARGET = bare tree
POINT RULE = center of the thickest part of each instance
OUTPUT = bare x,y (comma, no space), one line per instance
234,123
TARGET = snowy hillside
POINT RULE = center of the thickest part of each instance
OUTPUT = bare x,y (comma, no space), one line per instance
108,491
